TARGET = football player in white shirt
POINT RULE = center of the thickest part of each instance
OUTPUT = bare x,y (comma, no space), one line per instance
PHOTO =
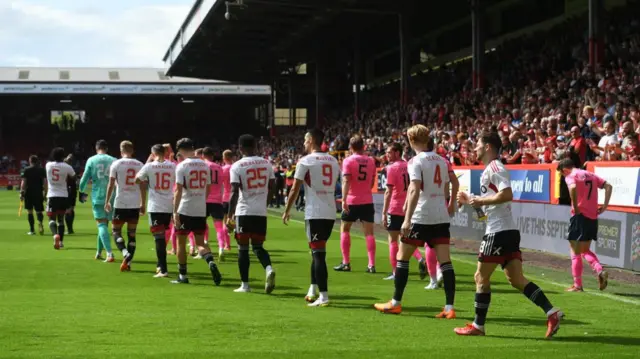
501,242
127,206
160,177
193,179
319,172
252,184
427,218
58,173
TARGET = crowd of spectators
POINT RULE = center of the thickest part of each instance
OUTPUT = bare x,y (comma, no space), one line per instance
542,97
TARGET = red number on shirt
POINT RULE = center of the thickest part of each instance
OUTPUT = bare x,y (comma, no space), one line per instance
197,179
163,181
55,174
437,178
130,179
327,173
256,178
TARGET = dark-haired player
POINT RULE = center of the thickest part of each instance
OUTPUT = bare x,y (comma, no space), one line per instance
96,170
252,185
33,189
214,199
127,206
358,175
427,219
160,177
501,242
227,160
583,225
193,179
319,172
392,209
58,174
70,215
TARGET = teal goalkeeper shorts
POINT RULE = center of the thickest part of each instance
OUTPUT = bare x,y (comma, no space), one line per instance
100,213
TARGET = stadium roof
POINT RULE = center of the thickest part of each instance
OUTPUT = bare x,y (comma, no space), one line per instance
88,74
266,37
114,81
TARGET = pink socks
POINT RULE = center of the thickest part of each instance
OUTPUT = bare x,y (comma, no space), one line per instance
576,269
174,239
417,255
226,237
393,255
432,261
219,234
371,250
593,261
345,246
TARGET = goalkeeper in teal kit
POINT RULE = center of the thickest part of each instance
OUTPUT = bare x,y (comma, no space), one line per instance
97,171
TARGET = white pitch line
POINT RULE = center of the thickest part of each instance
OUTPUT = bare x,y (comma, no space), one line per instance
538,279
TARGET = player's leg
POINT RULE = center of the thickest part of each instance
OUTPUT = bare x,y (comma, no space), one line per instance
576,267
192,245
30,217
217,214
198,227
422,264
515,276
60,221
393,237
225,230
173,236
69,217
482,298
345,243
181,254
102,221
367,218
449,278
318,233
258,237
590,234
116,227
158,224
39,208
243,239
406,249
432,266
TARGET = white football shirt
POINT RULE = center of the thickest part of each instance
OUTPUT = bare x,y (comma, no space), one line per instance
433,170
124,171
195,177
57,175
494,179
253,175
319,172
161,177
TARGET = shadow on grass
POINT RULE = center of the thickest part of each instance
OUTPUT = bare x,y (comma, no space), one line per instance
542,322
72,248
601,339
632,295
509,290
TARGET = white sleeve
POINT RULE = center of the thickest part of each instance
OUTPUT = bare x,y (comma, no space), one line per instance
179,176
272,174
234,175
143,173
500,179
415,172
72,172
113,169
301,171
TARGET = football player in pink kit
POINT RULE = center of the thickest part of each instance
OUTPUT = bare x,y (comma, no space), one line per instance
227,159
392,210
583,225
127,206
190,209
160,176
427,219
501,242
214,201
358,175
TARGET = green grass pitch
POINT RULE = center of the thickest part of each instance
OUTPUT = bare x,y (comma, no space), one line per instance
64,304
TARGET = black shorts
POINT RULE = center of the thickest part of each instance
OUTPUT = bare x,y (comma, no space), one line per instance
32,202
582,229
225,208
159,222
362,212
126,215
430,234
252,228
500,247
56,205
189,224
394,222
215,210
318,232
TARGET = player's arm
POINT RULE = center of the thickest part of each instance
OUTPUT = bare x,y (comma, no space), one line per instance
573,194
110,188
233,200
86,176
501,181
300,172
608,189
388,192
455,187
23,186
143,197
413,194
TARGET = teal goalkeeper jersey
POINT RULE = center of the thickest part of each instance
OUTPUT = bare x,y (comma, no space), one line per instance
97,170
